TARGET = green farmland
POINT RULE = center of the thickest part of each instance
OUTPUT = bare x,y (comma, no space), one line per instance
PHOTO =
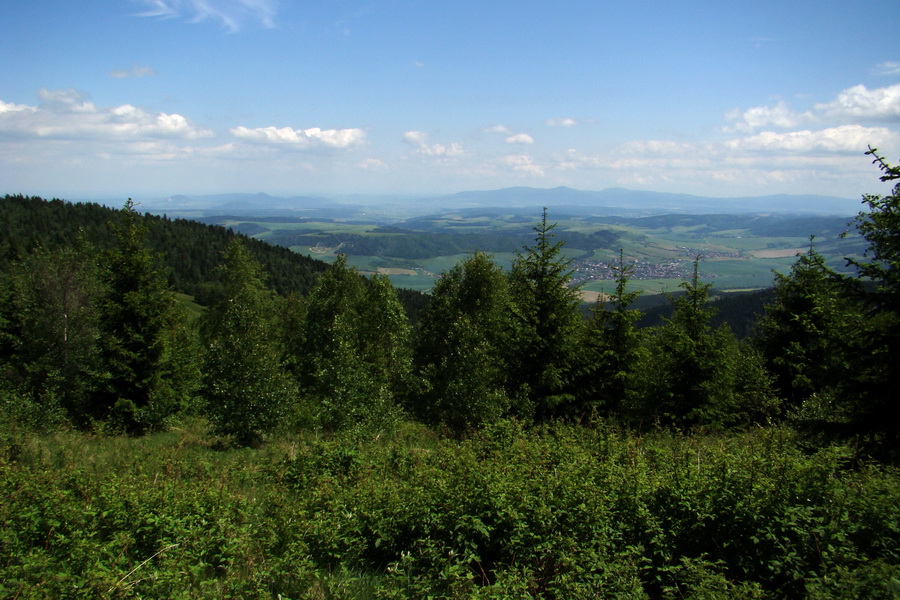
737,252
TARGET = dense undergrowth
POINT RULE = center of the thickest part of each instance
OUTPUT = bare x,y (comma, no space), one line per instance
509,512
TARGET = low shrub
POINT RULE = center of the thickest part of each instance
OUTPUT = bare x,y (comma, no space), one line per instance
510,512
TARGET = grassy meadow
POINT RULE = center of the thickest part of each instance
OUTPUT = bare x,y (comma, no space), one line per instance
509,512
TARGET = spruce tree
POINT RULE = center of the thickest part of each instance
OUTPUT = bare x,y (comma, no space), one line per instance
700,376
547,327
686,363
803,335
614,351
872,401
144,353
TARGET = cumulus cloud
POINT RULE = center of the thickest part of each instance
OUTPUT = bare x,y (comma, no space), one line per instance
68,115
313,137
520,138
137,71
846,138
765,116
566,122
826,159
65,99
858,102
415,138
232,15
419,140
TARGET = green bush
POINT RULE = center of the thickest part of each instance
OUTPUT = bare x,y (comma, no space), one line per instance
510,512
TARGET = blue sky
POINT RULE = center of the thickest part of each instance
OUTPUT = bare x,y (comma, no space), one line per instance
150,98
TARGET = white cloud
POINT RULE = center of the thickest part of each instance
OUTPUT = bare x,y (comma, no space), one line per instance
8,107
420,143
888,67
511,138
523,163
137,71
657,147
520,138
826,161
230,14
765,116
373,164
858,102
65,99
313,137
566,122
574,159
846,138
67,115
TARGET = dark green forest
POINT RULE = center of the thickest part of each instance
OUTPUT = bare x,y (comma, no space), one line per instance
188,412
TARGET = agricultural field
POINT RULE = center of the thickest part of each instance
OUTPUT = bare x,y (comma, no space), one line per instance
737,252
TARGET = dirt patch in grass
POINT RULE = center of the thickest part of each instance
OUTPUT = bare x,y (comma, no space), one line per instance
589,296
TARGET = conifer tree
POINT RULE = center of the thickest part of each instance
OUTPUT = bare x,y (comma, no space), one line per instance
701,376
614,350
872,401
547,327
687,365
247,391
144,355
880,226
804,333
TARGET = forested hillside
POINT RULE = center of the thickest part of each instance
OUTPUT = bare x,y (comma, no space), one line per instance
94,288
189,250
313,443
740,311
415,244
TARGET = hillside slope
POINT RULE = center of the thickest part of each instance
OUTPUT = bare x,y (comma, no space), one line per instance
189,250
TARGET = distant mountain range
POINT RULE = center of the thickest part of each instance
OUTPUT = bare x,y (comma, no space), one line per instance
608,202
